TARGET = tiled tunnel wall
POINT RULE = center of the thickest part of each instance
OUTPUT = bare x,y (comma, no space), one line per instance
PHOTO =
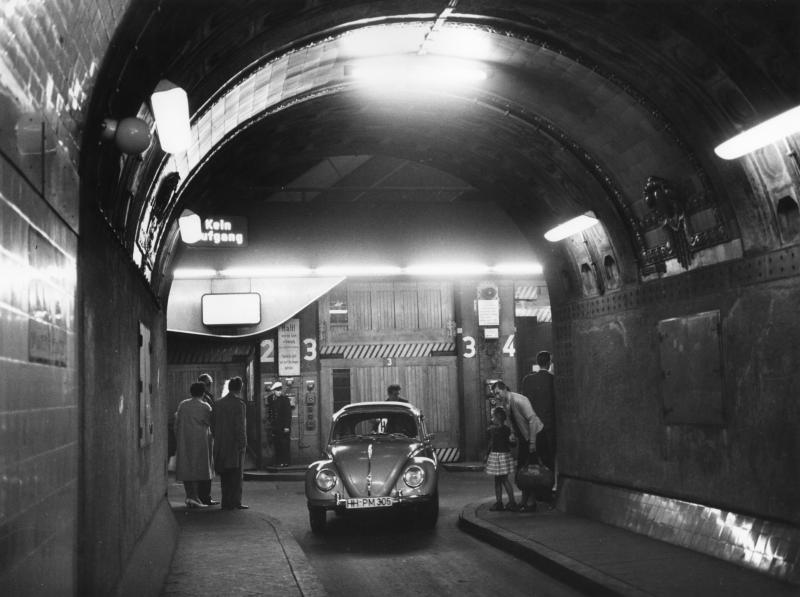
50,54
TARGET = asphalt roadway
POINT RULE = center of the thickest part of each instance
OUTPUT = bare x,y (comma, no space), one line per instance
270,550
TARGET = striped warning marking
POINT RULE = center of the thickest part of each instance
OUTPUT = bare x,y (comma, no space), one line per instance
379,351
448,454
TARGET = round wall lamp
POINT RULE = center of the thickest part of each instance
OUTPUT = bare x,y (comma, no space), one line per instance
131,135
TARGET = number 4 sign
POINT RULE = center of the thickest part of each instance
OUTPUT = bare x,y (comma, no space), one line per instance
470,352
508,347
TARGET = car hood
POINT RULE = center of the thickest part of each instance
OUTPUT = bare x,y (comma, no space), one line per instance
371,467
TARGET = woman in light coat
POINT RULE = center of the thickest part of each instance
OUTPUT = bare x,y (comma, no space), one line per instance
194,460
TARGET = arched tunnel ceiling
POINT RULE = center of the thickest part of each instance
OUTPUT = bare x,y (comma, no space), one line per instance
584,102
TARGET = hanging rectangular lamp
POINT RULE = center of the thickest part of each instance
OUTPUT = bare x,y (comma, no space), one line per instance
171,110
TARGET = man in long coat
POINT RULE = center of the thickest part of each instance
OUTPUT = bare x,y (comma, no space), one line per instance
193,458
230,443
204,487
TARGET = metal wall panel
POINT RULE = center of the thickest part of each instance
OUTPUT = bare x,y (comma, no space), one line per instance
691,366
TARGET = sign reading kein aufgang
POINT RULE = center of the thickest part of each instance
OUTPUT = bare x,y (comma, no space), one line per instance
223,231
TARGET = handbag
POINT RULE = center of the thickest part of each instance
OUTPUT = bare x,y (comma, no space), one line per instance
537,477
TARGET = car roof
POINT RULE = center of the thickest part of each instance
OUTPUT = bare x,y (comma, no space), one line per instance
382,405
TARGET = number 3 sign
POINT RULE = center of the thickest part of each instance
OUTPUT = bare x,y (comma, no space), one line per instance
470,351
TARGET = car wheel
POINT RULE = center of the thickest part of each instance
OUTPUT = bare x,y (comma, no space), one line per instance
429,513
317,517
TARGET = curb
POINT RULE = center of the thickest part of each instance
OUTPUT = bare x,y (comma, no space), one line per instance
572,572
304,575
463,467
267,476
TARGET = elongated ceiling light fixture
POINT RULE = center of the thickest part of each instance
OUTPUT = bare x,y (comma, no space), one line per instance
443,270
570,227
171,111
190,227
769,131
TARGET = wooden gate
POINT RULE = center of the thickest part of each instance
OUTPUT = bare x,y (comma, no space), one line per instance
429,383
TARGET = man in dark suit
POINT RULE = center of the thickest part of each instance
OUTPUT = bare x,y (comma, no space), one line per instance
230,443
539,387
204,487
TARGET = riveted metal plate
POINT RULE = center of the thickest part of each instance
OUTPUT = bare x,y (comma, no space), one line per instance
723,277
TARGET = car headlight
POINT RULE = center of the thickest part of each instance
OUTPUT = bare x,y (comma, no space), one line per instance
414,475
326,479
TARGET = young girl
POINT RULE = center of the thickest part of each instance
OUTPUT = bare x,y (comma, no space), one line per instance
500,463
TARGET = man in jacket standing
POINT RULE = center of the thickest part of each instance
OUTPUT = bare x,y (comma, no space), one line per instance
204,487
230,443
526,425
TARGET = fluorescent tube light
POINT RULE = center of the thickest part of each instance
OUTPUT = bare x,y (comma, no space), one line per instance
171,111
190,226
518,268
190,274
446,269
267,272
767,132
358,270
571,227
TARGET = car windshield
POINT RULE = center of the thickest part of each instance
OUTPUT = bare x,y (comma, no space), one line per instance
375,424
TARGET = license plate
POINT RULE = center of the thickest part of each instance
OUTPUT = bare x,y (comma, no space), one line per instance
368,502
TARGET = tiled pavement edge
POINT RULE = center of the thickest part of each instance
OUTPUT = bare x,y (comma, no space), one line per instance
602,559
571,571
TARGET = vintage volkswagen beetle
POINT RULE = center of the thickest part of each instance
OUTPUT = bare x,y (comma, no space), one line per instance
379,458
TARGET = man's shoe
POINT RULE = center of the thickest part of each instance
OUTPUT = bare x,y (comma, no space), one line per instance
242,507
211,502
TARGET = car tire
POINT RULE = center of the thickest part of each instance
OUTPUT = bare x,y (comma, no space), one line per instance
317,517
429,513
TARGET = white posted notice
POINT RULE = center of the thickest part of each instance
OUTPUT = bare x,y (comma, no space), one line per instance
289,348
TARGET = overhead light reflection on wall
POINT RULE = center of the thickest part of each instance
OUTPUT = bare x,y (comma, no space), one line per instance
461,42
420,73
171,111
571,227
769,131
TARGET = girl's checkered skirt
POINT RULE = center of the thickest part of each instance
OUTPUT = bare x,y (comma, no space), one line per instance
499,463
